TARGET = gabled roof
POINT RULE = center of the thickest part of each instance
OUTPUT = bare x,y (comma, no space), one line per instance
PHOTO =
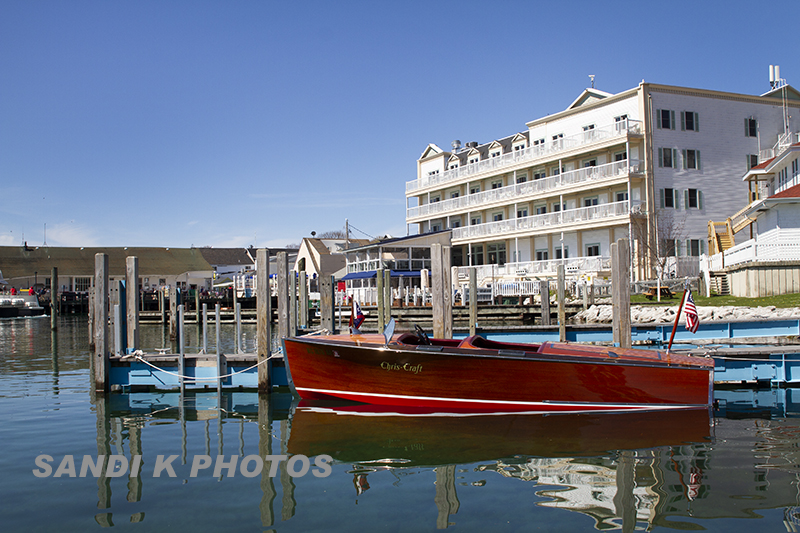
791,92
589,96
228,256
791,192
430,150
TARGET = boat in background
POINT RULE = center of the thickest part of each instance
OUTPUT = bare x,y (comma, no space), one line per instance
475,374
367,433
20,305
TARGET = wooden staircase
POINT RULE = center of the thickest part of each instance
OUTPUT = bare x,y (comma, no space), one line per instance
721,234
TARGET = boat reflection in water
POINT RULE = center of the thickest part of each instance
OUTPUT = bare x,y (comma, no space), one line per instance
610,466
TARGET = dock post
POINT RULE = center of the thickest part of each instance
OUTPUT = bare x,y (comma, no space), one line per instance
473,301
562,312
621,293
379,284
326,301
293,304
101,362
91,319
132,295
238,312
282,264
544,297
197,306
181,348
205,328
119,348
54,303
387,296
217,320
161,306
441,292
303,300
263,318
173,312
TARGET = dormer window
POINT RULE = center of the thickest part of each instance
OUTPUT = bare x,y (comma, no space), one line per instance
474,159
496,153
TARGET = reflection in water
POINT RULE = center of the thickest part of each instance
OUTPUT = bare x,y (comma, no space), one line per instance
677,470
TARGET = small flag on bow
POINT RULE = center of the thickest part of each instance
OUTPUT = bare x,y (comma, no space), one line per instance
692,320
356,317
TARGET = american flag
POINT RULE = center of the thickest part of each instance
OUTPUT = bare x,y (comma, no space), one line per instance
356,316
692,320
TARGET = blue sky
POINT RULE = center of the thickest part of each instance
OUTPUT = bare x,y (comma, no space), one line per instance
237,123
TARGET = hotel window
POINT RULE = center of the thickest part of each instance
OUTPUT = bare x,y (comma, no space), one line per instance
522,212
669,198
474,189
592,250
477,254
453,165
497,217
620,156
496,253
669,247
691,159
522,178
621,123
495,154
537,142
750,127
455,223
433,173
752,161
558,140
621,196
558,252
435,199
455,194
539,175
497,184
667,157
559,207
518,147
436,227
474,221
665,119
690,121
474,159
83,284
795,167
555,172
694,199
541,209
588,132
590,163
695,247
588,202
541,255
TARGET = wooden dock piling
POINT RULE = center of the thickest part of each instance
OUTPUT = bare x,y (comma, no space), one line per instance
473,301
101,362
544,297
263,305
282,264
303,300
621,293
54,299
326,302
561,295
132,300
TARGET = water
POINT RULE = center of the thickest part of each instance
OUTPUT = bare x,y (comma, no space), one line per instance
512,473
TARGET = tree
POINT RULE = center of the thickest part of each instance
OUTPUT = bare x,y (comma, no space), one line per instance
654,248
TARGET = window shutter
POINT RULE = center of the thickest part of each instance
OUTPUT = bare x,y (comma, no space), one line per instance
683,120
661,157
702,247
696,122
697,158
677,247
700,199
683,154
661,197
686,198
658,120
672,120
676,198
674,158
746,128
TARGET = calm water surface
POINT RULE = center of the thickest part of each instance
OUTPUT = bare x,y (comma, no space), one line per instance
736,471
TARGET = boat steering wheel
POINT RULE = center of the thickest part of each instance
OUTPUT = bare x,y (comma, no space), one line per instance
421,335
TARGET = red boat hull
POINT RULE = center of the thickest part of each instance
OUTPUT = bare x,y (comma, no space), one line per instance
539,378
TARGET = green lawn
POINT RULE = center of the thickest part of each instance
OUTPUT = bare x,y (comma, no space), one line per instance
783,300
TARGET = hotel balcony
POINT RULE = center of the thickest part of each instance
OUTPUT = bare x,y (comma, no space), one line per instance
550,150
569,219
565,183
533,269
785,140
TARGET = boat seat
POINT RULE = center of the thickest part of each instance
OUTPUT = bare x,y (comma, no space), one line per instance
476,342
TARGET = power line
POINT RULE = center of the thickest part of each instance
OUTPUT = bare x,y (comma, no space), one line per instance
360,231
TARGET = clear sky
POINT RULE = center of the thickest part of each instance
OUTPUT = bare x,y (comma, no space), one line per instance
237,123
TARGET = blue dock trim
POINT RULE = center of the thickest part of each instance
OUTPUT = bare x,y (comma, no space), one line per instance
776,369
657,333
140,375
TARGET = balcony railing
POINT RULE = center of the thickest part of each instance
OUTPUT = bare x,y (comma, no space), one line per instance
525,191
532,153
785,140
548,221
573,266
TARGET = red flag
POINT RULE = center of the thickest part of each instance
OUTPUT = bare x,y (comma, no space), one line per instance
692,320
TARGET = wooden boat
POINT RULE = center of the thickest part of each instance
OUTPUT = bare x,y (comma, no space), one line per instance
478,374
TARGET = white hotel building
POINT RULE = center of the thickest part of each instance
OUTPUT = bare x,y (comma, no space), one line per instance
653,164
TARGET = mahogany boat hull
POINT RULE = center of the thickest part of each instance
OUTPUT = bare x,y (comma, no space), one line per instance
542,378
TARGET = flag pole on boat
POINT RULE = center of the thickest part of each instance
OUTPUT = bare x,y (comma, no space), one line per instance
678,316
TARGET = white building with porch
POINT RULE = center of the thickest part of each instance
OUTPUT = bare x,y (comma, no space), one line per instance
652,164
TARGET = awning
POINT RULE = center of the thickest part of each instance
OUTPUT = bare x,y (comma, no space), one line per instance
369,274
